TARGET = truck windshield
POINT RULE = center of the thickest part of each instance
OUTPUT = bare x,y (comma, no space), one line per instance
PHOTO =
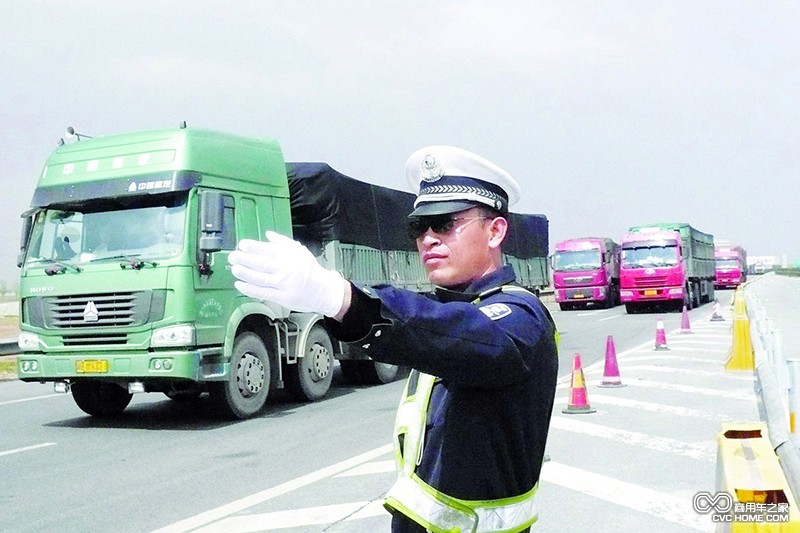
727,264
649,256
145,228
581,260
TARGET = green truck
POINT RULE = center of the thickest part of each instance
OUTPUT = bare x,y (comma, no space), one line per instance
125,285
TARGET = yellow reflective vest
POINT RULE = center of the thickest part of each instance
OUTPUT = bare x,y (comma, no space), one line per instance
434,510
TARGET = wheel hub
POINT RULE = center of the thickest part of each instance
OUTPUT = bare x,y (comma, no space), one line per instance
250,375
319,361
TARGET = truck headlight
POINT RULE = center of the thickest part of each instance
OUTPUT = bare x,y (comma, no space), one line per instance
28,341
173,336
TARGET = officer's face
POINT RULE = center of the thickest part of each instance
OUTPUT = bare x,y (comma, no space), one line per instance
466,251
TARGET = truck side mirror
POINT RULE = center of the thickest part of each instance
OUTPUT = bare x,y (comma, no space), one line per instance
212,212
27,224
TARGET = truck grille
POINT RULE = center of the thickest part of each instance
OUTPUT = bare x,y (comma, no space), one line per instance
650,281
94,340
103,310
577,280
113,309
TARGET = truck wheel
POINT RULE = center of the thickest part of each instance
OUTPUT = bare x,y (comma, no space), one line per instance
630,309
310,379
100,398
245,391
565,306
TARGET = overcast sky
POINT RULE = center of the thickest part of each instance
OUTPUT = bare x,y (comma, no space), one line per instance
609,114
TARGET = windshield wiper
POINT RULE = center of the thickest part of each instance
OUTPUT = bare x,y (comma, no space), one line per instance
130,261
59,267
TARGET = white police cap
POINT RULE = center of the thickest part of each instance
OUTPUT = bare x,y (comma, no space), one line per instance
447,179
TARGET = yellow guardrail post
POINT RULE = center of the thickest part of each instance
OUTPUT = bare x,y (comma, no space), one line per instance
750,472
741,355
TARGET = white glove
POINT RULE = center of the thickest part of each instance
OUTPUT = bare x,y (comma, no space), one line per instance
285,272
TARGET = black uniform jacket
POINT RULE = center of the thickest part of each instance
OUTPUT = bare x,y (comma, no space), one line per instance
489,413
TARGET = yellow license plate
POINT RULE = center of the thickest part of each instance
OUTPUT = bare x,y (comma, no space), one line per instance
650,292
91,366
579,295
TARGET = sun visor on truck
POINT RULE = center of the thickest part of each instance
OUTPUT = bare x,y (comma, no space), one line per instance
327,206
163,182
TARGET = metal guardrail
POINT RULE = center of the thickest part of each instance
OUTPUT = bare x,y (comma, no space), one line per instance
769,384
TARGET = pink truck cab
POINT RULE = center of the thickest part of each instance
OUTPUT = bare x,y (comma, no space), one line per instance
730,266
668,263
586,271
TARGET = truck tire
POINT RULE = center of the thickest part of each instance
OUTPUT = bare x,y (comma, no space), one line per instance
310,379
245,392
100,398
630,309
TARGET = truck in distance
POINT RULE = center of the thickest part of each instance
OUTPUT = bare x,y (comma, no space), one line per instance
150,306
586,271
730,265
669,264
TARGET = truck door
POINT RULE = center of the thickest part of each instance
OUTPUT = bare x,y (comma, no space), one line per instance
213,285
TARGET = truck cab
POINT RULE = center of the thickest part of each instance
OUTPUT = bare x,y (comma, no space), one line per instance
652,269
125,285
586,271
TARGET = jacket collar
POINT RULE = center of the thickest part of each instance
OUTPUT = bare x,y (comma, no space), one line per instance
501,276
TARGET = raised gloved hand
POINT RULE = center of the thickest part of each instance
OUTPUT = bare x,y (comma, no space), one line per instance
285,272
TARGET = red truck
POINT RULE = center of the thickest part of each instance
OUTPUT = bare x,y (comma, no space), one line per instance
666,263
731,265
586,271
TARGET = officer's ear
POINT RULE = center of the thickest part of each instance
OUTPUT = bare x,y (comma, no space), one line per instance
498,227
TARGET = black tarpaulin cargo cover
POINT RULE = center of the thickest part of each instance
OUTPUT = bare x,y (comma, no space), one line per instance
328,206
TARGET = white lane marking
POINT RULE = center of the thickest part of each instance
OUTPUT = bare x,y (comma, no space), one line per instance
609,318
366,469
674,358
27,448
673,370
733,394
308,516
566,378
603,399
637,497
9,402
635,438
696,342
228,509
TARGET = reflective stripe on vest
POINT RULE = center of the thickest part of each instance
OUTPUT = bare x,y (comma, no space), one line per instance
440,513
429,507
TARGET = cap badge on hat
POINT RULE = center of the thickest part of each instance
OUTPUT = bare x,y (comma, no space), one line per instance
431,169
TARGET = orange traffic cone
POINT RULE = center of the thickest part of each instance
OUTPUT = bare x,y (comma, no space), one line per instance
611,377
685,326
715,315
578,399
661,336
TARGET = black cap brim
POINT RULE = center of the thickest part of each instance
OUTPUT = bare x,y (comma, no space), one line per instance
427,209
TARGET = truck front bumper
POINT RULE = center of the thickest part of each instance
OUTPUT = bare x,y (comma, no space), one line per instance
202,364
581,294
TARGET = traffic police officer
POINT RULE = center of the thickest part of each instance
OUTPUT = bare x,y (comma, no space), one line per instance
472,425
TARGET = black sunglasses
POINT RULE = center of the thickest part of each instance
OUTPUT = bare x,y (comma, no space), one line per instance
438,224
